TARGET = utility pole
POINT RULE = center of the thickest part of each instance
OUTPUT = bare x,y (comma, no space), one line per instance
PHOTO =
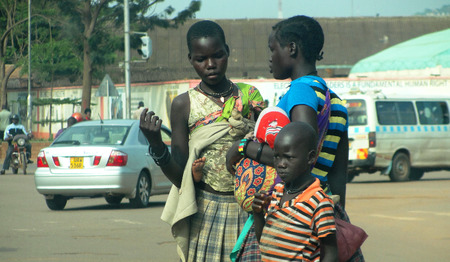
126,17
29,108
280,9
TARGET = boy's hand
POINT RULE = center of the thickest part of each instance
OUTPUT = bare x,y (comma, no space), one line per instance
261,201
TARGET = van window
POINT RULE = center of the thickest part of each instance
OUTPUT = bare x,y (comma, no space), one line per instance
357,115
432,112
395,113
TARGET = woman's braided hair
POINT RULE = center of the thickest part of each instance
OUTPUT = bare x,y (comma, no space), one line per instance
305,31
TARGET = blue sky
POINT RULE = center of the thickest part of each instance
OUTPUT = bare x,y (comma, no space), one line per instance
240,9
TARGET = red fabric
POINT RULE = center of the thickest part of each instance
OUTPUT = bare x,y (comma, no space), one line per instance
269,123
349,239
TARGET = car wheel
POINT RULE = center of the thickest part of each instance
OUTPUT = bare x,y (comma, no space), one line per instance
400,168
57,203
113,200
416,174
143,188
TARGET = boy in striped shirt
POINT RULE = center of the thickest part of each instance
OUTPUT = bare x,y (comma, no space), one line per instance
299,223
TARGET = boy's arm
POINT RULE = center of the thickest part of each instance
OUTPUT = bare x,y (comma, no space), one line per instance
259,224
328,248
259,204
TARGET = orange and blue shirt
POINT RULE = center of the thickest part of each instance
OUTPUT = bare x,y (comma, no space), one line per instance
293,229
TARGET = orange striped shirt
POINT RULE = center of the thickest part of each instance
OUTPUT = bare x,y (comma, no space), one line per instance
293,229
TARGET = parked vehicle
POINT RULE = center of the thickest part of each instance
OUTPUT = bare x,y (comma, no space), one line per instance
19,154
107,159
401,132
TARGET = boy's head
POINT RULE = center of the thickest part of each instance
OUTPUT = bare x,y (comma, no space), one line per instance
204,29
295,151
305,32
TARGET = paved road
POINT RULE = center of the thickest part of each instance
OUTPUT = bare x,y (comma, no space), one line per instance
405,222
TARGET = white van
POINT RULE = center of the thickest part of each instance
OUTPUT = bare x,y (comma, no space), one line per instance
401,132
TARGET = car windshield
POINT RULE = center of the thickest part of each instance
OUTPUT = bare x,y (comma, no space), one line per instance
93,135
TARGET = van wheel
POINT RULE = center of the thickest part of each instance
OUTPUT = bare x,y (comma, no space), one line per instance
350,176
400,168
416,174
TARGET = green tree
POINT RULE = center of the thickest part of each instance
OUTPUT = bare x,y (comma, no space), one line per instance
92,27
13,15
14,35
54,60
443,11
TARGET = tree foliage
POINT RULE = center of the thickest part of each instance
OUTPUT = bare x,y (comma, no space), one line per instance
92,27
13,17
443,11
70,31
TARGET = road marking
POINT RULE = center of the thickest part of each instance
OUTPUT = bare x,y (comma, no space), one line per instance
433,213
127,221
397,218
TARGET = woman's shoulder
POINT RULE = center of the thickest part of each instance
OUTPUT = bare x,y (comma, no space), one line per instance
181,100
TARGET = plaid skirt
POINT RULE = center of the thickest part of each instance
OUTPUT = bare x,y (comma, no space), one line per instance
215,227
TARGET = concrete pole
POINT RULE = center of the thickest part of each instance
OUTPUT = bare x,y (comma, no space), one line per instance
126,16
29,107
280,9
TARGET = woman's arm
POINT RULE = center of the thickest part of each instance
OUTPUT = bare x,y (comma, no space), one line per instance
304,113
151,126
301,113
337,177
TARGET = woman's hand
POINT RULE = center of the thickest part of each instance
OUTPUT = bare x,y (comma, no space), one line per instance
232,158
150,125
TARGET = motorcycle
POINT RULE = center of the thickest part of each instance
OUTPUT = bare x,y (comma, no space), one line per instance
19,155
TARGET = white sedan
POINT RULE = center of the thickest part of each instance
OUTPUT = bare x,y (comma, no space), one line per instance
108,158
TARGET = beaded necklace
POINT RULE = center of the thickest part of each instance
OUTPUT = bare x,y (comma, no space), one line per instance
220,95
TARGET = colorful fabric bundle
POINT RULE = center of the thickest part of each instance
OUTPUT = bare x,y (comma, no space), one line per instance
251,176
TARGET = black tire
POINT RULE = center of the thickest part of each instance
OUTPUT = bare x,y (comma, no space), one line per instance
350,176
14,170
113,200
143,188
401,168
24,160
57,203
416,174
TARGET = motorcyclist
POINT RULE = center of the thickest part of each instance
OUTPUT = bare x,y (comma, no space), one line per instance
14,129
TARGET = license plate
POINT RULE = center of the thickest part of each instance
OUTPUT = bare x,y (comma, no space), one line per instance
76,163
